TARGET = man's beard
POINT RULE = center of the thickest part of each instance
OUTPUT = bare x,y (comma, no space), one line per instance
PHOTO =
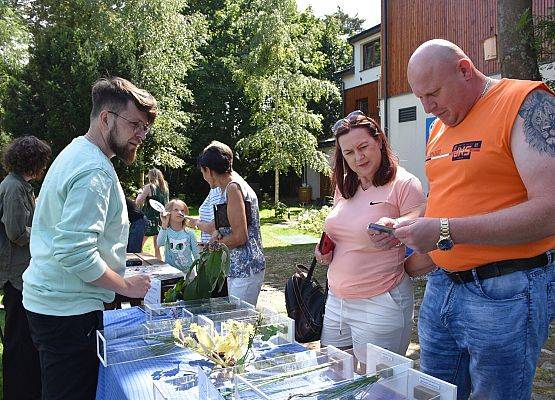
122,151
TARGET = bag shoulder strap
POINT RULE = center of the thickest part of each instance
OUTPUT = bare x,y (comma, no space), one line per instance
311,270
309,275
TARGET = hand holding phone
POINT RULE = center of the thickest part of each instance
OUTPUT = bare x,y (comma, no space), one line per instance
381,228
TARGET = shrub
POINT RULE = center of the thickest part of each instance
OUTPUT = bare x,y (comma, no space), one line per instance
312,220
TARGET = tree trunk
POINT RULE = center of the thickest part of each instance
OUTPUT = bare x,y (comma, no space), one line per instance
518,56
276,185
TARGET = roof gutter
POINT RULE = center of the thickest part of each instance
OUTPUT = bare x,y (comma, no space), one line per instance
384,68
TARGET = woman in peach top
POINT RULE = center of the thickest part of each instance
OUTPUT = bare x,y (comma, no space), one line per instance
371,297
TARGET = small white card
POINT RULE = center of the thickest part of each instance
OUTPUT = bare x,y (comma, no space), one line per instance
152,297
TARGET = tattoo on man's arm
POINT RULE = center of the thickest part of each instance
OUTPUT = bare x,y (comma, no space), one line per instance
538,112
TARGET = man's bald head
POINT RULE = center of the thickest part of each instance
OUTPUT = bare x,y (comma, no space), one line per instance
434,53
443,77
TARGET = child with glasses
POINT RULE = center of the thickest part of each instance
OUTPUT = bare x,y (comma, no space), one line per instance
180,245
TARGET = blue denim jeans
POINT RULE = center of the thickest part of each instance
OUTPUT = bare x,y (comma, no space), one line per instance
136,235
485,336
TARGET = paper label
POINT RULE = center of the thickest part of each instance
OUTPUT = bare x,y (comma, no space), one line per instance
154,294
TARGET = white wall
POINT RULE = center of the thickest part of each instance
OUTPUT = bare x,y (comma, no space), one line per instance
361,77
313,177
548,71
408,139
313,180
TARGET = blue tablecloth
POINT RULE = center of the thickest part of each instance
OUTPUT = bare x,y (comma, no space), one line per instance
134,380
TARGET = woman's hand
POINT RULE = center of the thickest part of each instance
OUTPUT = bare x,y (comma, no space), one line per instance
215,236
381,240
191,222
142,196
165,219
321,258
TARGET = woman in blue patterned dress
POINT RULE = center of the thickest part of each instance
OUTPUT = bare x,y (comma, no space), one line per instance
246,273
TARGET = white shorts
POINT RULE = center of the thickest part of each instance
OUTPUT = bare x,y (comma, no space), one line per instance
385,320
246,289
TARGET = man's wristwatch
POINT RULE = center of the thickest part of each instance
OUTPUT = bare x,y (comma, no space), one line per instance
445,242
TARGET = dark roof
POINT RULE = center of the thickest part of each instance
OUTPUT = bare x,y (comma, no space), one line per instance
326,143
345,71
364,34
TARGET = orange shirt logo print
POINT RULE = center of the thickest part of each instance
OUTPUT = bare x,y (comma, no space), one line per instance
463,151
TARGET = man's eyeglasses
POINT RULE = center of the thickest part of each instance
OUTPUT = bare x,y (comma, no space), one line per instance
138,126
354,119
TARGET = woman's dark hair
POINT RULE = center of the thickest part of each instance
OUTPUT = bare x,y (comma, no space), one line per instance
26,155
346,179
217,156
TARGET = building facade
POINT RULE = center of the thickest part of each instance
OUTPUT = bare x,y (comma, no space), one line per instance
471,24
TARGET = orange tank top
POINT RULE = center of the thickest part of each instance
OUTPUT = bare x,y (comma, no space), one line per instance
471,171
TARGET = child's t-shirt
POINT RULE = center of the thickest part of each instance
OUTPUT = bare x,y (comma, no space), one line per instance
180,247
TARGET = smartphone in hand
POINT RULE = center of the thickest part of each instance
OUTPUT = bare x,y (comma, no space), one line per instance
382,228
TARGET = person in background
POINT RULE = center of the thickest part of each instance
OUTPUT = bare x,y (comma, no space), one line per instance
206,214
180,244
246,274
78,241
370,298
25,159
156,189
137,227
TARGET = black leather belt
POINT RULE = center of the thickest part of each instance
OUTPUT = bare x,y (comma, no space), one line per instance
500,268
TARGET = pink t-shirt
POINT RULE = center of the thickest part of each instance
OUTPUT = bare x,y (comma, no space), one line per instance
358,270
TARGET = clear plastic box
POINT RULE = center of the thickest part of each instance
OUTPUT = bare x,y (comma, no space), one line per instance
385,362
244,315
328,367
148,340
273,329
411,385
219,383
196,307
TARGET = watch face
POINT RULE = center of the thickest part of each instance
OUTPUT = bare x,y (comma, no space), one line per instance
445,244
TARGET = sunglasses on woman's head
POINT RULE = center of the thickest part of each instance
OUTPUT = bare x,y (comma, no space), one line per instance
354,119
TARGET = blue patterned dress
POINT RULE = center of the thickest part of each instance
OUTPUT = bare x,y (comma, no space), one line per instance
248,259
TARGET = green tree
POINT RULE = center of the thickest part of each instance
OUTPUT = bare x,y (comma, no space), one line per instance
518,56
338,54
277,70
14,55
220,110
149,42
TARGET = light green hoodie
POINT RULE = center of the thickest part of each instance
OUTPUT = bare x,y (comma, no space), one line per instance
80,228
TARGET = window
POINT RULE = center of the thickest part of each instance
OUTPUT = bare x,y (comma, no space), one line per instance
362,105
371,54
407,114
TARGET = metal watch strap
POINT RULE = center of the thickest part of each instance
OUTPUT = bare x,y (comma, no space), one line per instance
444,228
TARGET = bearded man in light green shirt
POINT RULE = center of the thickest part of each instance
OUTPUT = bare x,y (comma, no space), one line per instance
78,240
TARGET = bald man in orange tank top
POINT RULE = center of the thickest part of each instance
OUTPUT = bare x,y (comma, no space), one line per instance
489,225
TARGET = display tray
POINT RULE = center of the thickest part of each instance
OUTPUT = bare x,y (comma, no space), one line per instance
384,362
219,384
323,369
196,307
139,342
411,385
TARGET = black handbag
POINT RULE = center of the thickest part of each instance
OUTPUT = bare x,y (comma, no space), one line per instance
305,300
220,215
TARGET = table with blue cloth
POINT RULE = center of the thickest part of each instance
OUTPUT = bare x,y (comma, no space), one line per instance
134,380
